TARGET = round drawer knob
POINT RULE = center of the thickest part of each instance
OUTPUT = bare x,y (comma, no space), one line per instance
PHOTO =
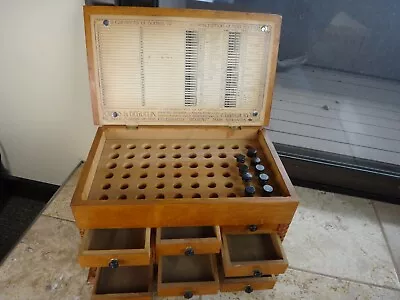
189,251
253,228
257,273
248,289
114,263
188,295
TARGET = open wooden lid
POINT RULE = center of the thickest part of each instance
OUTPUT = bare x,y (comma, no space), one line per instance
153,66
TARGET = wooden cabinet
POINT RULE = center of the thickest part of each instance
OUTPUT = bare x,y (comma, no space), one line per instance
181,171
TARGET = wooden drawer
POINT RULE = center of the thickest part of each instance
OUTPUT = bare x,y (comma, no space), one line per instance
250,229
123,283
253,255
115,247
246,284
187,275
188,240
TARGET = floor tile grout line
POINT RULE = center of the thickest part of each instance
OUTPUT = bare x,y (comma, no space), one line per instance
346,279
57,218
396,267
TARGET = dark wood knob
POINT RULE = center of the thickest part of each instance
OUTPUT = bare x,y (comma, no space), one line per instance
257,273
248,289
188,295
189,251
253,228
114,263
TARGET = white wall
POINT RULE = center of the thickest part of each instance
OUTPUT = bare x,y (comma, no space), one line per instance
46,125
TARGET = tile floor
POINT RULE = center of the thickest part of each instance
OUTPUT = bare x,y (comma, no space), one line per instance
339,247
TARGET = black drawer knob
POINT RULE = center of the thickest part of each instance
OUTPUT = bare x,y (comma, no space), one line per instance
114,263
189,251
188,295
253,228
257,273
248,289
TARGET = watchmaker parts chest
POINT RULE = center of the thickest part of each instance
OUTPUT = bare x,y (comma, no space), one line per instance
182,192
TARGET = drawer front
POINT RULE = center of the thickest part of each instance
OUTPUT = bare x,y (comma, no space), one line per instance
124,283
250,229
187,276
246,284
253,255
188,240
115,247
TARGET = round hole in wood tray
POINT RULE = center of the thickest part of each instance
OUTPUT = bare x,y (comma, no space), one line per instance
207,155
235,146
160,175
145,166
214,195
177,175
122,197
222,155
114,155
178,196
143,175
177,147
178,185
161,156
160,196
177,155
142,186
124,186
194,165
109,175
177,165
126,175
146,146
211,174
206,147
160,185
161,165
128,166
229,185
192,155
212,185
106,186
111,165
231,195
104,197
226,174
131,146
209,165
116,146
141,196
196,195
224,165
191,146
162,146
221,147
194,175
195,185
130,156
146,155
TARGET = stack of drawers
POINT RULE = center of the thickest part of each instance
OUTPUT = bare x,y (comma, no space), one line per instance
182,261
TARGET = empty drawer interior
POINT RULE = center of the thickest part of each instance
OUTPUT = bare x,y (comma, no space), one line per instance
169,233
177,269
109,239
252,247
123,280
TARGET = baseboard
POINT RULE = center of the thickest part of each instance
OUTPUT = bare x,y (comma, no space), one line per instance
341,173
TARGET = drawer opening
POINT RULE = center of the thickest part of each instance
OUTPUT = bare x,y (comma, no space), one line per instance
177,269
168,233
252,247
123,280
110,239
